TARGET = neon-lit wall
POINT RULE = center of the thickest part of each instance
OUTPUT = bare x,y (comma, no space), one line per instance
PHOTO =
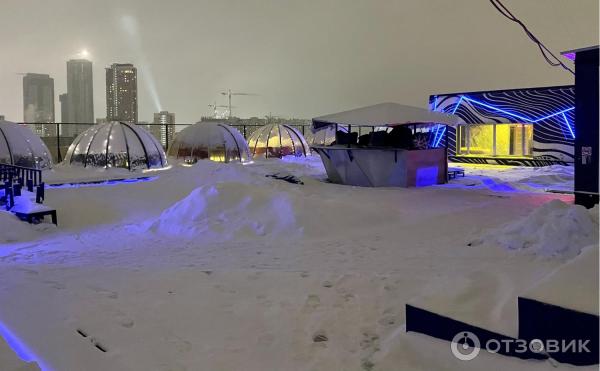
549,109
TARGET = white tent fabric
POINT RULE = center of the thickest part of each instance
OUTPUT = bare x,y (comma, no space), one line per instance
386,114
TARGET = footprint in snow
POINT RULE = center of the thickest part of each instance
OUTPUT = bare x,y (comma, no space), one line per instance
312,302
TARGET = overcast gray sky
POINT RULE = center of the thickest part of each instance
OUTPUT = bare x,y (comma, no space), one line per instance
304,58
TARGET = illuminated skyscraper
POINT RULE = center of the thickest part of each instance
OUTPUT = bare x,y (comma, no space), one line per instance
164,127
80,96
121,93
38,103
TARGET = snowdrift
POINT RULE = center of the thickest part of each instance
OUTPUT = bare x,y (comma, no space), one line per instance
572,285
225,211
553,229
14,230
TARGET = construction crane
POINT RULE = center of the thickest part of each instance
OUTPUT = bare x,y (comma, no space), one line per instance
228,93
215,107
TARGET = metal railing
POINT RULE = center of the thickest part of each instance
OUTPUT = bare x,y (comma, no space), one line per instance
59,136
11,172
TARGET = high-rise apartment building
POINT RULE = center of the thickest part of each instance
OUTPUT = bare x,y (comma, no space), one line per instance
80,96
38,103
164,127
121,93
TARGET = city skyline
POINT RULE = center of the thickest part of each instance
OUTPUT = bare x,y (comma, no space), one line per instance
296,69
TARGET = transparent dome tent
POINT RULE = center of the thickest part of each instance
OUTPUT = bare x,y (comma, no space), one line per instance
20,146
116,144
277,140
214,141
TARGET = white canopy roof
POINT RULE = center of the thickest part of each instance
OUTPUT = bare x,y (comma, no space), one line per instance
386,114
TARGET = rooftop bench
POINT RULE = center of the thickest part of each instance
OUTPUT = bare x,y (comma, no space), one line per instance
26,204
453,172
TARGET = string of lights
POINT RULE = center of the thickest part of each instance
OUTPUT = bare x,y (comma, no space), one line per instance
552,59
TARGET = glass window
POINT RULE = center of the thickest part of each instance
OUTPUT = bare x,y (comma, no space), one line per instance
481,140
495,140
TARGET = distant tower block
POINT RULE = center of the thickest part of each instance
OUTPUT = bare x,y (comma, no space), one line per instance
121,93
38,103
80,96
164,127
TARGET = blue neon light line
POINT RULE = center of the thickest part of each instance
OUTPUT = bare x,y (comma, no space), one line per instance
437,127
554,114
568,125
513,114
458,104
437,130
437,139
495,109
441,136
523,118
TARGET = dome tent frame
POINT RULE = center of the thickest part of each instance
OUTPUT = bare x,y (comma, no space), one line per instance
107,158
198,142
33,156
291,132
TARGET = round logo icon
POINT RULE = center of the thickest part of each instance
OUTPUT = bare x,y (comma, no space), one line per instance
536,346
465,346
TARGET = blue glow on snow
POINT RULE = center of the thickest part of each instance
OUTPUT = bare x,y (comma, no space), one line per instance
20,348
102,183
497,187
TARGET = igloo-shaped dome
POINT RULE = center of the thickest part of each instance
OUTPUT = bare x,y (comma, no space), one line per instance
214,141
116,144
20,146
277,140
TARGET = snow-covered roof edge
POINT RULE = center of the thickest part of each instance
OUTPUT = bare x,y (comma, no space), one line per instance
386,114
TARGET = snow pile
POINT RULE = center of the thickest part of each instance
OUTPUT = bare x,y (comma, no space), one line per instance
229,210
553,229
13,230
572,285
